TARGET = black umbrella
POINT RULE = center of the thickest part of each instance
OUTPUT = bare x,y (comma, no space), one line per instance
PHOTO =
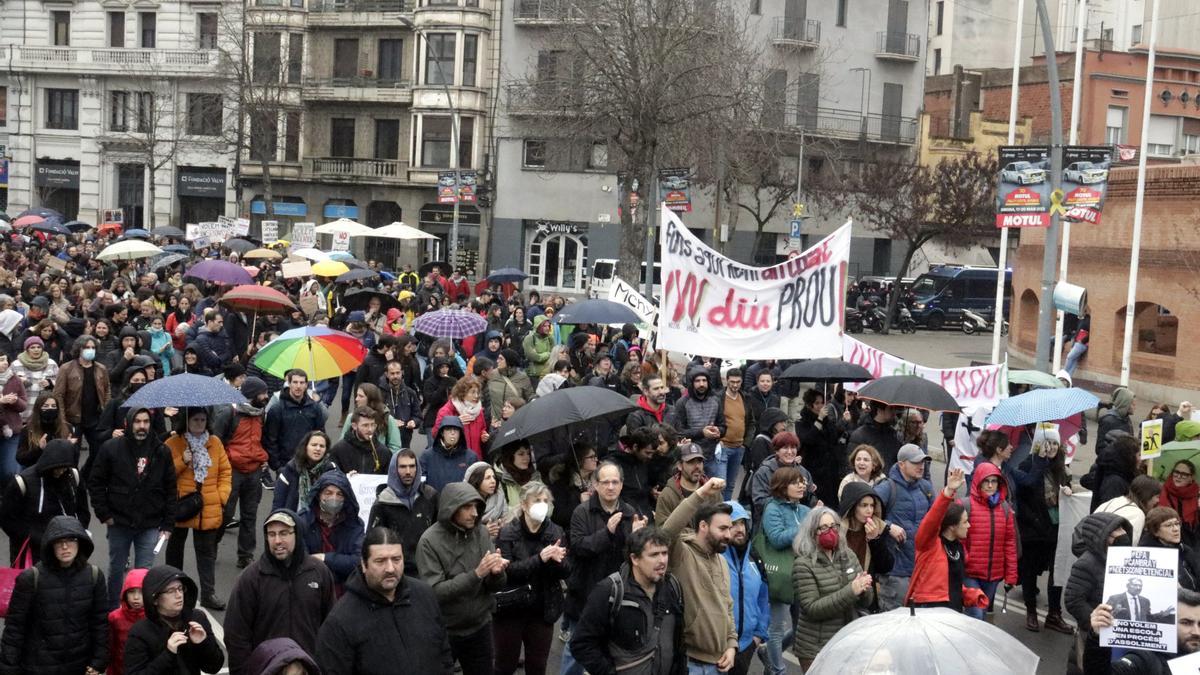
507,275
909,391
356,275
239,246
51,226
79,226
559,408
168,231
428,267
598,311
826,370
168,260
360,298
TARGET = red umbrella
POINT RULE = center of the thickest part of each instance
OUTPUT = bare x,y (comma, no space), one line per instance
24,221
257,299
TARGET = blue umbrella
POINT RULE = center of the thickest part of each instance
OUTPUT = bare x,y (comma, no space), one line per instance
184,391
136,233
1041,405
507,275
178,248
596,311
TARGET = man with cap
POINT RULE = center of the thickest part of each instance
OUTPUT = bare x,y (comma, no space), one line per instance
57,618
240,428
285,593
603,374
748,585
687,479
906,496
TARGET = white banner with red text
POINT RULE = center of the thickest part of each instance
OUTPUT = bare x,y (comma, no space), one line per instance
716,306
972,387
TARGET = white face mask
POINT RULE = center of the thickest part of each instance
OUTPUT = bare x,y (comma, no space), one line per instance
539,511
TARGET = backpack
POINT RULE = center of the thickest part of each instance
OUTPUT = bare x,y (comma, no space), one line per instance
616,347
891,500
616,593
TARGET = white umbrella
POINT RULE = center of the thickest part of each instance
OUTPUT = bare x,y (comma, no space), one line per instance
398,230
344,225
312,254
130,249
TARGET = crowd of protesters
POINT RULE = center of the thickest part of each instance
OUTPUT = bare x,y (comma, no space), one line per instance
630,541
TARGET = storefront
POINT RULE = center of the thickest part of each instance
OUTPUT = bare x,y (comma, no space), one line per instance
285,210
57,185
556,255
437,219
201,194
340,208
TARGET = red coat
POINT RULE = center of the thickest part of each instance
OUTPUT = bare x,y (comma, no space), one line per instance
931,573
454,289
472,431
992,539
120,620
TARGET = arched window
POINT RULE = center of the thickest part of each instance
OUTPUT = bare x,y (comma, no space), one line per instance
1155,330
558,261
1027,336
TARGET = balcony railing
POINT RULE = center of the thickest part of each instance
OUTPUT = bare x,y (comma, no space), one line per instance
369,89
842,124
533,12
789,32
354,169
897,46
323,6
552,97
365,82
141,61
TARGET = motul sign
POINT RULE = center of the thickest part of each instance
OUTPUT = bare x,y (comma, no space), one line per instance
1022,220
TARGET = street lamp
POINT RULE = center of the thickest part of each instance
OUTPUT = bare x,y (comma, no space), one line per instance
864,107
452,245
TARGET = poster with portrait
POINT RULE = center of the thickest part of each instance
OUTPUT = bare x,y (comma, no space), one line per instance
1140,585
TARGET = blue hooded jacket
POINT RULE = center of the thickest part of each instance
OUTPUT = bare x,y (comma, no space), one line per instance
748,585
442,466
347,532
906,509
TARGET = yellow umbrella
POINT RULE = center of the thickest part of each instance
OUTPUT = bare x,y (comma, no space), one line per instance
263,253
329,268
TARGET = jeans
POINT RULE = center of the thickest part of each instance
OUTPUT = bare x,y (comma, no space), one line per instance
779,636
247,490
8,457
327,390
347,392
717,468
120,538
205,544
1078,349
514,630
701,668
733,461
474,652
988,588
892,590
568,664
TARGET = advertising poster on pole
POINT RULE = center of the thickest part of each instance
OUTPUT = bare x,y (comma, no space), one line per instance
1140,585
467,180
674,189
1023,195
446,187
716,306
1085,181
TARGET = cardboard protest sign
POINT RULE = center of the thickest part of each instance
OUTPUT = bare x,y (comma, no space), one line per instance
341,241
1140,585
1023,194
1152,432
621,292
298,268
716,306
270,232
365,486
241,227
304,235
972,387
214,232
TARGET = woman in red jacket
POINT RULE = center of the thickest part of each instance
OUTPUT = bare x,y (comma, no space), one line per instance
939,576
992,539
464,403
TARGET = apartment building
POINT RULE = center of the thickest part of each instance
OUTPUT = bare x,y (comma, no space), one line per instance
844,75
114,105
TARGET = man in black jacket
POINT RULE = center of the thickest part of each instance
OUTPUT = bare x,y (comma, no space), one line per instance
818,434
285,593
879,432
407,505
360,450
133,491
374,365
385,620
623,610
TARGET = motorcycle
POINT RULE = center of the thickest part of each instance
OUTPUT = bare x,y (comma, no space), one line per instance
905,321
872,317
972,322
854,320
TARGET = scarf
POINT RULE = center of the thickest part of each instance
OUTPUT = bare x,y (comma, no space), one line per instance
496,506
200,458
521,477
5,377
307,477
33,364
1182,499
467,412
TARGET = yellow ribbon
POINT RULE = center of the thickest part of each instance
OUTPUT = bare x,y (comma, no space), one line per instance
1056,203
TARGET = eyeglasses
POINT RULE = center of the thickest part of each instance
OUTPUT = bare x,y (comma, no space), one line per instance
1181,474
589,457
822,529
1173,524
173,590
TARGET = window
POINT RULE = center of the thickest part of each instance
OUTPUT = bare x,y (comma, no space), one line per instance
387,139
941,17
60,25
391,60
1161,139
116,29
295,57
148,21
298,4
534,153
1115,129
264,136
598,156
756,7
1106,36
62,108
345,59
204,114
470,59
266,57
435,141
291,138
3,106
841,12
341,137
466,139
206,30
1156,329
439,58
937,61
1191,144
131,111
1135,35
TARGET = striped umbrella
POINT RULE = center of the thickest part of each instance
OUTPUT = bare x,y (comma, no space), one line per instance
321,352
451,323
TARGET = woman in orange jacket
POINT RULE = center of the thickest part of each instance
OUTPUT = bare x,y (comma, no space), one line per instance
201,465
939,576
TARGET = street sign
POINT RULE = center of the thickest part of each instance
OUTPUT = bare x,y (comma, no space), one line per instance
795,231
797,210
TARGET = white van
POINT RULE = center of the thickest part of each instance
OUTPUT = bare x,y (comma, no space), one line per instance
603,271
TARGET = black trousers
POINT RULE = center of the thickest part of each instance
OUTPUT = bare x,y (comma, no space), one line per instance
205,543
743,659
474,651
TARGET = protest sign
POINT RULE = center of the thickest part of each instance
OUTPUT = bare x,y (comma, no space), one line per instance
298,268
621,292
270,232
341,241
1071,509
365,486
1140,586
304,235
201,242
972,387
1085,181
1152,432
1189,665
716,306
215,232
241,227
1023,196
55,263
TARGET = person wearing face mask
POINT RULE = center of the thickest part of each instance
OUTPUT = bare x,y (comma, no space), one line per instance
532,600
991,542
45,425
1084,590
240,429
50,488
331,528
83,384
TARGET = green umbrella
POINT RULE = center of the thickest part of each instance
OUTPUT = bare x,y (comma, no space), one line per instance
1035,378
1173,452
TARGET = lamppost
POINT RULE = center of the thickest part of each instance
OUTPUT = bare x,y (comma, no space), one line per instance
452,245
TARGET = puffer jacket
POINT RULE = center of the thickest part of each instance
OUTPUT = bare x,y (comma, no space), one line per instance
34,497
522,547
1085,586
781,521
992,538
694,412
907,509
344,537
215,489
442,466
537,349
57,619
146,651
827,601
286,425
446,559
930,581
121,621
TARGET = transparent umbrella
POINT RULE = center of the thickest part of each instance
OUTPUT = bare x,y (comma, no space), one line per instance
923,641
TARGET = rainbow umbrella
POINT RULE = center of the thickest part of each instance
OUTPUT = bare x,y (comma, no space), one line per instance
321,352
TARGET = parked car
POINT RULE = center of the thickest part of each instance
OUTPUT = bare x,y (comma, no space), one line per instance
942,293
1085,173
1022,173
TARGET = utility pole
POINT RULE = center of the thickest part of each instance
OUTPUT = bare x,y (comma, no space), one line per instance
653,206
1050,249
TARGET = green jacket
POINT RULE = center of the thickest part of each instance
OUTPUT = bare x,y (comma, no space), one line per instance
827,602
537,350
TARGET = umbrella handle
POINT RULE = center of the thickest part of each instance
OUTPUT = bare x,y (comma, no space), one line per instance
312,364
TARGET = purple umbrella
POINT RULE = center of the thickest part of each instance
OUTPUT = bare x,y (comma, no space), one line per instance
451,323
220,272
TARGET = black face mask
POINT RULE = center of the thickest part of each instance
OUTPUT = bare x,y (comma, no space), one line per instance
1123,540
48,417
134,386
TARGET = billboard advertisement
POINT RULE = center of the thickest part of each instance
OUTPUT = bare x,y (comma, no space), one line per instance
1023,195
